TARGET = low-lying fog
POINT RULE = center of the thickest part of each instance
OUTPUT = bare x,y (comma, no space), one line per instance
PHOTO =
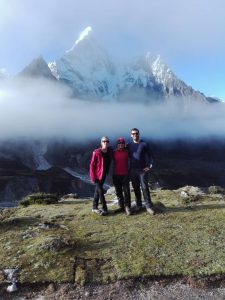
41,109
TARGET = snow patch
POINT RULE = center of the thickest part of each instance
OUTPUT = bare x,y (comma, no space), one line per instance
83,34
82,177
53,69
39,151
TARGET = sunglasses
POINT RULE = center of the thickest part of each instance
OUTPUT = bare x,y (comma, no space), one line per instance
105,141
135,133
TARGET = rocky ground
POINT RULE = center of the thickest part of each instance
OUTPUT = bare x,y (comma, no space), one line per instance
122,290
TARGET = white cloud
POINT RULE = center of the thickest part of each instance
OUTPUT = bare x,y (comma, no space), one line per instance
40,109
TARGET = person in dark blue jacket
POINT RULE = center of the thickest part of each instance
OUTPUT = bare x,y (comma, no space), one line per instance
141,160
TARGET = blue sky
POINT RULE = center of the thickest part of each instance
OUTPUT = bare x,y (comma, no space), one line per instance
189,35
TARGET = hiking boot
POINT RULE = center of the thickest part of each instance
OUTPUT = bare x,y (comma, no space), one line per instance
103,212
150,210
96,211
128,211
137,208
119,210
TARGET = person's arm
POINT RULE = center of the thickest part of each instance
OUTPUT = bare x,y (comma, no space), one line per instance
113,161
112,164
92,167
149,158
129,155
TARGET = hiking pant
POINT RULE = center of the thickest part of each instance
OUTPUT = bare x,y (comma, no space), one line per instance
99,194
121,183
140,178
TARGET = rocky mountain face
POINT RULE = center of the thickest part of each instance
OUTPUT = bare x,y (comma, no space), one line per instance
17,181
38,68
189,162
29,167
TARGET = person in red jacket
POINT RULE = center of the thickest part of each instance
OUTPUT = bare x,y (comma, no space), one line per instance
120,176
99,168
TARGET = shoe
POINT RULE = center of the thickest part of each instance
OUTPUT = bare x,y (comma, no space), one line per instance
103,212
150,210
119,210
96,211
137,208
128,211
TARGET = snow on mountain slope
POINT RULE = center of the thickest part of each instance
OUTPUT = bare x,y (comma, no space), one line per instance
88,69
39,150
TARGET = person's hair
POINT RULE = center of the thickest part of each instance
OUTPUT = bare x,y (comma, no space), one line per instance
104,138
134,129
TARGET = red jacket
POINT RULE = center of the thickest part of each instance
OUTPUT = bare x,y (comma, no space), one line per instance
96,165
120,158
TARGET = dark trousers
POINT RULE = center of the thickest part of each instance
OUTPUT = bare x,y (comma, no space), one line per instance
140,178
99,194
121,183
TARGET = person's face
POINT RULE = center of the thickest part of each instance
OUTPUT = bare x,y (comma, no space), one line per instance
120,145
135,135
105,143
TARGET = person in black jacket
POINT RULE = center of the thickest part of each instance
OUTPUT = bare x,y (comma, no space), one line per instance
141,160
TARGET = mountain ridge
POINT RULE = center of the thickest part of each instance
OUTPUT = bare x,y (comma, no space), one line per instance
89,71
91,74
37,68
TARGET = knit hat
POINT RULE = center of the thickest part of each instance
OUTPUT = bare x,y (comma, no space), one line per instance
121,140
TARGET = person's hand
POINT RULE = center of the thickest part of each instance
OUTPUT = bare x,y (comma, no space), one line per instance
147,168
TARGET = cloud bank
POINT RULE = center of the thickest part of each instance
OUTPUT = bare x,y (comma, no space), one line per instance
44,110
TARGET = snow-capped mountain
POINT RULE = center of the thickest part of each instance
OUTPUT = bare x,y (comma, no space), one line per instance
151,76
88,69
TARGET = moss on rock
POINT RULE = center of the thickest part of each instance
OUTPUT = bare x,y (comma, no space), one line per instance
39,198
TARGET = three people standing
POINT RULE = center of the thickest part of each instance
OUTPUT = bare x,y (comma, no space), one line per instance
140,158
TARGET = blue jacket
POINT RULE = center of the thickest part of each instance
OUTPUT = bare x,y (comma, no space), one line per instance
140,155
